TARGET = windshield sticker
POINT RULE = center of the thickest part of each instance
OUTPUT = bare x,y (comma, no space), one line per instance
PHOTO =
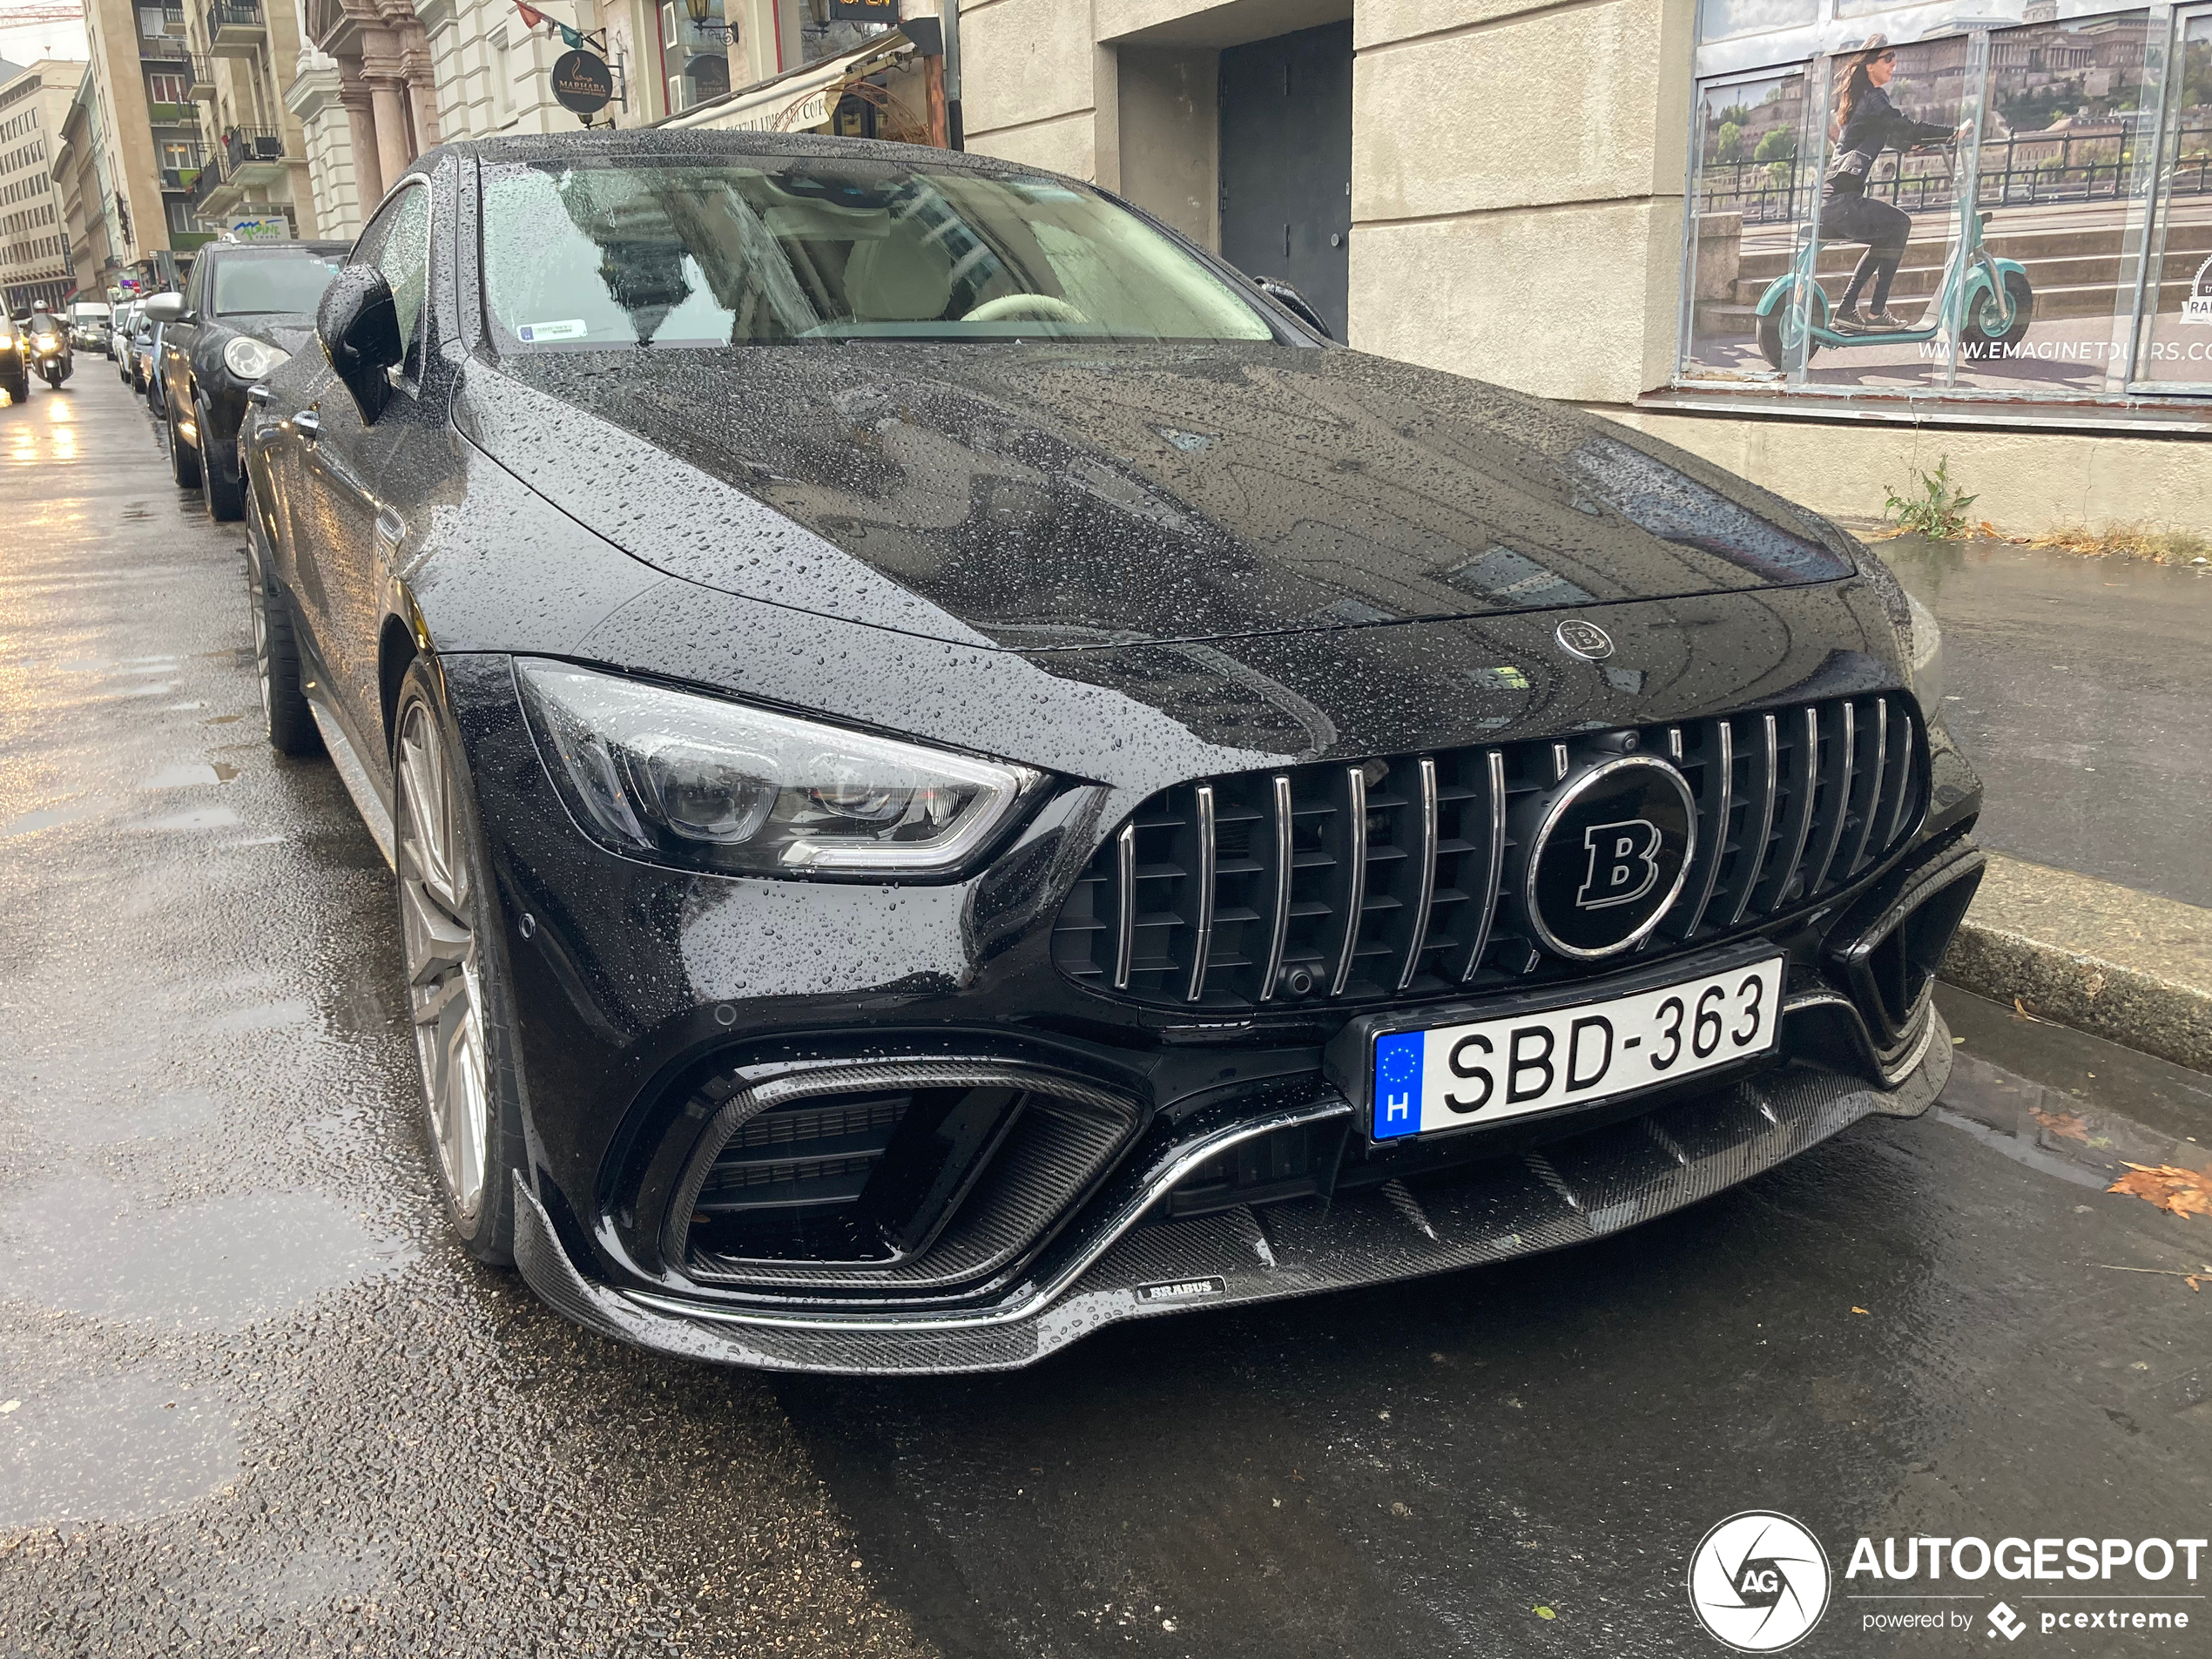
573,328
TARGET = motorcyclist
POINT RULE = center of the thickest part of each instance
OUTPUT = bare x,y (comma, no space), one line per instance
50,353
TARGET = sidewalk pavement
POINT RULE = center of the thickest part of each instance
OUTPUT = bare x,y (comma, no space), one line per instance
2077,686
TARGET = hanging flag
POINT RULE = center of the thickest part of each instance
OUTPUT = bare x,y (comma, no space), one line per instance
531,15
568,37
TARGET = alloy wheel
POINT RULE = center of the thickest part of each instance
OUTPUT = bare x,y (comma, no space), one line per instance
445,989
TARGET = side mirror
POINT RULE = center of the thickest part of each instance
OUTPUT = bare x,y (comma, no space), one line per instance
1294,302
359,326
164,308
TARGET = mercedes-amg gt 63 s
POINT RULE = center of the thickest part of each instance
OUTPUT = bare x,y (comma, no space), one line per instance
956,771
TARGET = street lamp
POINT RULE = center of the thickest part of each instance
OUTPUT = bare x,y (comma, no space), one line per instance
699,11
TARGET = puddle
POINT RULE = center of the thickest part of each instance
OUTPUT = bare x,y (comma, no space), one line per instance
49,817
266,1017
87,1246
206,817
126,1447
184,776
110,1122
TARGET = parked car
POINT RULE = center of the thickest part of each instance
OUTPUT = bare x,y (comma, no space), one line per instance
15,368
119,338
141,358
246,309
88,324
956,773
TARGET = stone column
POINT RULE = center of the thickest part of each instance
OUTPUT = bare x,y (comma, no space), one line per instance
386,98
421,88
360,121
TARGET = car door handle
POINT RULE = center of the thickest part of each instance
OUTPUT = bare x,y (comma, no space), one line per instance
308,424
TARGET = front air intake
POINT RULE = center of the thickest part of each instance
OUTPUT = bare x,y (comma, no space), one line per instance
899,1177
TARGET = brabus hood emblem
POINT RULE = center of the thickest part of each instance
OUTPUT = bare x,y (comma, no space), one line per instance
1584,639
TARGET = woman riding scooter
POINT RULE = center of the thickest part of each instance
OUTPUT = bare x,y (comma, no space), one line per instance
1865,125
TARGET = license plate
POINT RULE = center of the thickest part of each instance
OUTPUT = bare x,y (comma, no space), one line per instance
1458,1076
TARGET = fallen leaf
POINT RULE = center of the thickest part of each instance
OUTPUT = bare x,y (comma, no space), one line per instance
2190,1279
2020,1009
1543,1612
2184,1192
2070,1124
1859,1310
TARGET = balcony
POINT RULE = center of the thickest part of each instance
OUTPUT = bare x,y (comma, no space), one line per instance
236,27
164,52
173,115
176,179
253,155
200,78
205,183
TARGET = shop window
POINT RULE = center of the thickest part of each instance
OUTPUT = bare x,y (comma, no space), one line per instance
2030,224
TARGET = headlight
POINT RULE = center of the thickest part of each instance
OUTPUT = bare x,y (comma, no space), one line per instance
253,360
1927,657
49,344
693,780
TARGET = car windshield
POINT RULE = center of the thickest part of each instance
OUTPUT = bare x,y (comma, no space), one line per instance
254,284
635,253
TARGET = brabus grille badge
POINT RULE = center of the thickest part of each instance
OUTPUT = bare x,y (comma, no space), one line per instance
1182,1289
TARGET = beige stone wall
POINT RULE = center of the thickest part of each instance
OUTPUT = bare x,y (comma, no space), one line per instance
2026,481
1171,136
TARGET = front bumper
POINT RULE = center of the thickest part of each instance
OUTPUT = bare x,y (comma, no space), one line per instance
1566,1192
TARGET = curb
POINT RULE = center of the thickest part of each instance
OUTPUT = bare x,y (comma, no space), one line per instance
2123,965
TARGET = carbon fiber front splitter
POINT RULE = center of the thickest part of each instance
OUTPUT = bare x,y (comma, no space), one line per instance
1565,1193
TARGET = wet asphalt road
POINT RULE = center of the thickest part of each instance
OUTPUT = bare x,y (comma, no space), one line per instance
2078,685
250,1400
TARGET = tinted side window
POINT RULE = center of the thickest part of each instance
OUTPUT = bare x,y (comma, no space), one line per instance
399,246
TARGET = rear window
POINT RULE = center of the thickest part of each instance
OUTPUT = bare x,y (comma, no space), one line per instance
260,284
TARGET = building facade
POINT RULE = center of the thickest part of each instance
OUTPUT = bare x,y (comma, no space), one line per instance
1613,202
134,151
252,177
35,264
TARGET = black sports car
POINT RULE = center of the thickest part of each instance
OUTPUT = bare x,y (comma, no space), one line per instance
246,309
956,774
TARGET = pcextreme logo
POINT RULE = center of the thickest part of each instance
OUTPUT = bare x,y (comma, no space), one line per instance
1759,1581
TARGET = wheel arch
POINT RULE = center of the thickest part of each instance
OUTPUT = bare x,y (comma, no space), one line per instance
396,650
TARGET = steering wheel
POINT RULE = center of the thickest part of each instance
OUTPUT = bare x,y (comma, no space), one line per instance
1034,308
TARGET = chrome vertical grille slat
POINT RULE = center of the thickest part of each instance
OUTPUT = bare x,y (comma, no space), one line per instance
1280,812
1425,889
1355,899
1874,774
1758,819
1209,857
1390,878
1835,790
1493,865
1713,835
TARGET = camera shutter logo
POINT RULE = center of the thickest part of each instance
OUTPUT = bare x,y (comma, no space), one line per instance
1758,1581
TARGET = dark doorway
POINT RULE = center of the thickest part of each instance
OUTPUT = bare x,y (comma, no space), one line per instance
1286,164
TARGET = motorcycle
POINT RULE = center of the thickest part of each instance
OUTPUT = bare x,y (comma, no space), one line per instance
1991,298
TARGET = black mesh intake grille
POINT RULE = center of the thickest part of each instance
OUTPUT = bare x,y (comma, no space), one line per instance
1359,881
896,1178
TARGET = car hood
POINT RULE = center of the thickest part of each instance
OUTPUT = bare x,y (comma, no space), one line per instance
1041,497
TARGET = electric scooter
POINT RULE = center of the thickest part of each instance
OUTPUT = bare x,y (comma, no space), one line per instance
1994,299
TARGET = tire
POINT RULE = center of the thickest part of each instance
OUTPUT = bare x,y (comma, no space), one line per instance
19,389
1775,338
285,715
1980,339
184,459
452,935
218,465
